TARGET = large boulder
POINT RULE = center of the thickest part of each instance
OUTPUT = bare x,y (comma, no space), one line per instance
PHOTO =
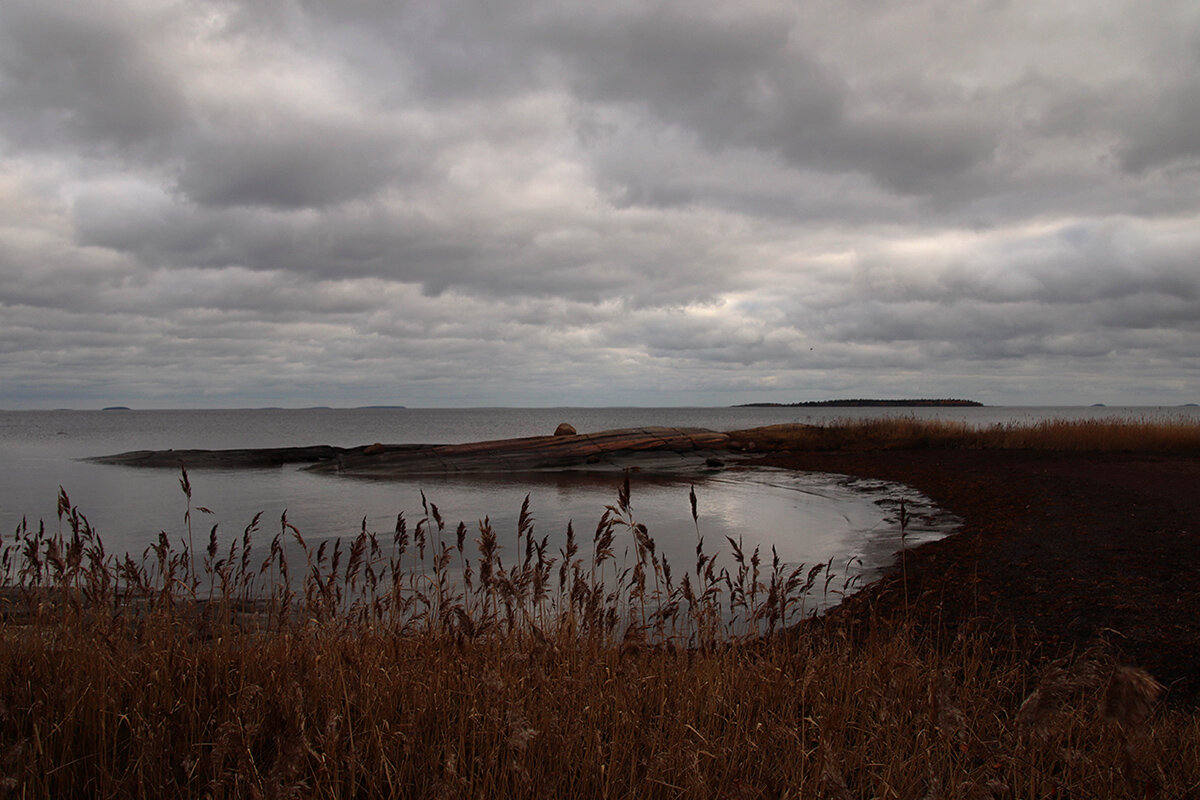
565,429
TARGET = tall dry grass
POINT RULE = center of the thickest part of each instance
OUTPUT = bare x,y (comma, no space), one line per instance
433,661
1106,435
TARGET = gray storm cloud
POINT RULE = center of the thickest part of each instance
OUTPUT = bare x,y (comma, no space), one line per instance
630,203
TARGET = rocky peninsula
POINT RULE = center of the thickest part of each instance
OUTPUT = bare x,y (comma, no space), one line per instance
674,449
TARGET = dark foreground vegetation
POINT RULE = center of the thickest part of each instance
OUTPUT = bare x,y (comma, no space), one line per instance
869,403
1181,436
436,661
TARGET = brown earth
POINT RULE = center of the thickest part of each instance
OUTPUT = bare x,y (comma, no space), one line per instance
1060,549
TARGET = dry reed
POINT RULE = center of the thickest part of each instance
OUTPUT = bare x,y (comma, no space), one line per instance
418,663
1114,434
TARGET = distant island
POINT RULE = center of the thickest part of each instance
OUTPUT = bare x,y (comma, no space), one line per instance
864,403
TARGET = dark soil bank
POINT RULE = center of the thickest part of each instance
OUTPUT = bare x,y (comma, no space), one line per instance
1063,547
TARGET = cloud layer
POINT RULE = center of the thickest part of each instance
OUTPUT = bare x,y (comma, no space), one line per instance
520,203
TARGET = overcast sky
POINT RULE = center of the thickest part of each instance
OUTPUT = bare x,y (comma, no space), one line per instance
445,203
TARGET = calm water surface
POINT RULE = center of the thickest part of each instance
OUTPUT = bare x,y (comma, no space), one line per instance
806,517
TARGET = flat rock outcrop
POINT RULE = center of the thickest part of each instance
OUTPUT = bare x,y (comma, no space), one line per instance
223,459
653,447
650,448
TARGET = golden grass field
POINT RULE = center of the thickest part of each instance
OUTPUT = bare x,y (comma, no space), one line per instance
434,660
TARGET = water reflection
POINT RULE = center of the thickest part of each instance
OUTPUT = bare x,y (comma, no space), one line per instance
803,518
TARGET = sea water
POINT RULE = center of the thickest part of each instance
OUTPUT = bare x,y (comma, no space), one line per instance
803,518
